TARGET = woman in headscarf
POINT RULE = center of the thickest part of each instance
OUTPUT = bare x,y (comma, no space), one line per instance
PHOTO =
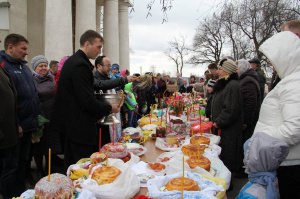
251,97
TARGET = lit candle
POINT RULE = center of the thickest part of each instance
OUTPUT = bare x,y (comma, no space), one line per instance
182,176
100,138
49,164
113,133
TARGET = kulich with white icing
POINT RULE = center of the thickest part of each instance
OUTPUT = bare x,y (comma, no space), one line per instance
59,187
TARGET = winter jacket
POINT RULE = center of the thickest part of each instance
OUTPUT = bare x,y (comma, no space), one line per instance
262,81
226,112
251,101
280,110
8,115
104,83
27,96
46,91
76,108
130,99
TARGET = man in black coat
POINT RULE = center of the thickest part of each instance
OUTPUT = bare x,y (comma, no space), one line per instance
76,108
103,82
8,135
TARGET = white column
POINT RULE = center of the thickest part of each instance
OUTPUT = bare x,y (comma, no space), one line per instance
98,16
36,27
111,30
124,35
85,18
18,17
58,29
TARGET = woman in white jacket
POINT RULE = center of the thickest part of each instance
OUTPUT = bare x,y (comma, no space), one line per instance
280,111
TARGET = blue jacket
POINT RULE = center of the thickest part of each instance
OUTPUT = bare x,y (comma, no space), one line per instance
27,96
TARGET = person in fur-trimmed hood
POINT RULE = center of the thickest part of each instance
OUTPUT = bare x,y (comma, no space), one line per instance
279,115
226,114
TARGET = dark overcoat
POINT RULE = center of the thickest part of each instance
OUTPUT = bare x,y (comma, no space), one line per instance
251,101
226,112
8,116
76,108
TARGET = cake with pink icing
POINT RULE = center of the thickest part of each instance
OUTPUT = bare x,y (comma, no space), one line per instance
115,150
59,187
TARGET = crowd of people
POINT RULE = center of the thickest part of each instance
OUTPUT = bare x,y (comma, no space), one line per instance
53,105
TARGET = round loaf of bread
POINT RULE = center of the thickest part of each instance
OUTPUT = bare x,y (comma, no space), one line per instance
178,183
105,174
198,139
98,157
201,161
193,149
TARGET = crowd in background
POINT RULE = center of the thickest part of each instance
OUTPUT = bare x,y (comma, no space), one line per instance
35,98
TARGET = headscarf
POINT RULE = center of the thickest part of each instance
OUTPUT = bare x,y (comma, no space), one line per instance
243,66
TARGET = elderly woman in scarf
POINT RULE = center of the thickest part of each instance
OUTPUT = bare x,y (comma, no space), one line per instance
250,91
45,86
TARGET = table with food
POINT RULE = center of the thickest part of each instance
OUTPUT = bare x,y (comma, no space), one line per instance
171,154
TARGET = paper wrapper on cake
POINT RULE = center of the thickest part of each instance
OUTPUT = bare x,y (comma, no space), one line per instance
59,186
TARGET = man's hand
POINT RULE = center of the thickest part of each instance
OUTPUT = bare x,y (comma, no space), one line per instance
215,125
115,108
131,78
20,132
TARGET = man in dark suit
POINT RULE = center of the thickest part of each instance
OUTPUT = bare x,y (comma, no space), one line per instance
76,108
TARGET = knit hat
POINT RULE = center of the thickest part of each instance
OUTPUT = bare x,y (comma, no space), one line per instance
254,61
211,83
115,67
38,60
228,65
243,66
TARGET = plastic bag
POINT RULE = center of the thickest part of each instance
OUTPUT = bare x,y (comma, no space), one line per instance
209,189
119,188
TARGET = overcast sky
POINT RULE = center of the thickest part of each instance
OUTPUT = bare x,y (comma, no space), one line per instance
149,37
